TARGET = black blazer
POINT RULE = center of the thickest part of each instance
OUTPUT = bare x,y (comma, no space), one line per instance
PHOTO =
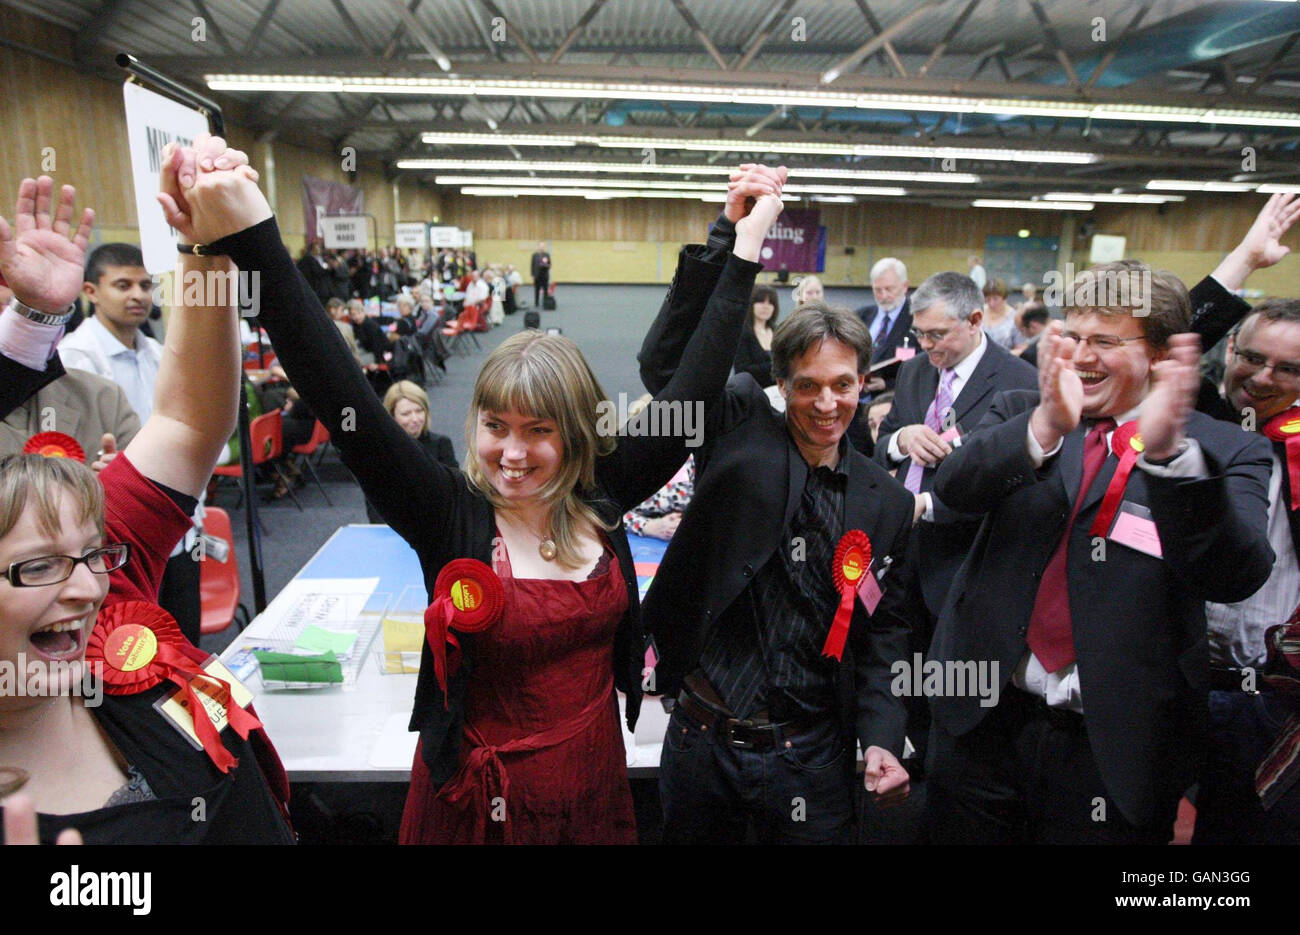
749,476
1138,622
941,546
753,360
900,328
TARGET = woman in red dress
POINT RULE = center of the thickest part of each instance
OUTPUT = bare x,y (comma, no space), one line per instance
519,737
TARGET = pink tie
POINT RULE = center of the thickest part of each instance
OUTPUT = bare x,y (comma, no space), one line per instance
934,417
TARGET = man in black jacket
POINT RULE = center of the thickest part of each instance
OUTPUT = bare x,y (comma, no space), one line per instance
541,270
766,722
1091,608
890,319
941,395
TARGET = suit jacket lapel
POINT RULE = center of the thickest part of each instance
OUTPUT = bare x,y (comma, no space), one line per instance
796,478
1071,463
977,387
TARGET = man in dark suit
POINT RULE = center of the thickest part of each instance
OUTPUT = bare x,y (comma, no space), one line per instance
941,395
890,320
541,268
1090,608
766,724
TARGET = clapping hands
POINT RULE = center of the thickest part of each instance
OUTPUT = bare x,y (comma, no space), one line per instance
1060,403
1174,384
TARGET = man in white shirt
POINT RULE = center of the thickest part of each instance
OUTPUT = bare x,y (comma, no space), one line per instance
110,342
977,272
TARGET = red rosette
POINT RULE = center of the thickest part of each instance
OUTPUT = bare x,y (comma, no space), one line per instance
852,561
1126,443
467,596
1285,428
54,445
137,645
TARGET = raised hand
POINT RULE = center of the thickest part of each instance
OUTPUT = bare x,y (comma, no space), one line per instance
747,184
1060,391
753,227
1175,381
1262,246
41,257
217,170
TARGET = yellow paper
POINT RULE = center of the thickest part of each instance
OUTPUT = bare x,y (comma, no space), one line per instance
402,636
212,696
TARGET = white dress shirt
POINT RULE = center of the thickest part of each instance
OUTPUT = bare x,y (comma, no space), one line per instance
93,347
1237,630
1060,689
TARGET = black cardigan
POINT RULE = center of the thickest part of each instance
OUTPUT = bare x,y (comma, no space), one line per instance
753,360
433,507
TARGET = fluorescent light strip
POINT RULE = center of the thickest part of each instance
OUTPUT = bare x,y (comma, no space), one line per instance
637,168
1191,185
1276,188
595,194
767,97
1033,205
1133,199
529,182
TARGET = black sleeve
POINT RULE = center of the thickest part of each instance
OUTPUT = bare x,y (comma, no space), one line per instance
753,360
414,495
187,503
19,384
1215,311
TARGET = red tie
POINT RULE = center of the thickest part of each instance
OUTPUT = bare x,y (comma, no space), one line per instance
1051,637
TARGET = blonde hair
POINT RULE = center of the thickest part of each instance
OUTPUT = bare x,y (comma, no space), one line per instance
545,376
40,481
406,389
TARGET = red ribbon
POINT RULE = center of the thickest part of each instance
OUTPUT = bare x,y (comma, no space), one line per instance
852,561
1127,445
139,645
468,596
54,445
1285,427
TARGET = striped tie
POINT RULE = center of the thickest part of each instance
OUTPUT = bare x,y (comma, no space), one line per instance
934,418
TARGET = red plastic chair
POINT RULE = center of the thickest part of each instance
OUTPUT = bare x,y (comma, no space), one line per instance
219,581
319,436
470,320
266,433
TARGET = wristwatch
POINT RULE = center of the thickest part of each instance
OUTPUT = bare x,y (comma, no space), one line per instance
198,249
41,318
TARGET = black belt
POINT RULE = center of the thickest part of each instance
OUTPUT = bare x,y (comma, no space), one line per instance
1038,706
746,733
1232,679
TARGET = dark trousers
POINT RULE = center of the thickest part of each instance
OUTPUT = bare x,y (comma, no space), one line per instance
179,594
1026,775
541,282
1242,729
798,792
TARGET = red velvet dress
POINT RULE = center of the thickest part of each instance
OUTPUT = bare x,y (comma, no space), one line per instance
542,759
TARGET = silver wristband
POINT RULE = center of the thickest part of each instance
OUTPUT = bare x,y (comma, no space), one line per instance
41,318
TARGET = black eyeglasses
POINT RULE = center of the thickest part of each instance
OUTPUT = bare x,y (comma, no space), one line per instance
51,569
1286,371
1101,342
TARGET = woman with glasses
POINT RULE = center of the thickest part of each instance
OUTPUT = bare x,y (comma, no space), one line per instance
80,563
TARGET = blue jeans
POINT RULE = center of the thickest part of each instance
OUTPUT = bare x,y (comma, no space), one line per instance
798,792
1242,729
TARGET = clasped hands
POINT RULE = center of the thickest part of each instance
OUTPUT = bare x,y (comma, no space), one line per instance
208,191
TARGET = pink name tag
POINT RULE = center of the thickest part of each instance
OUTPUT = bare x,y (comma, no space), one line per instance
1136,530
904,353
951,434
870,592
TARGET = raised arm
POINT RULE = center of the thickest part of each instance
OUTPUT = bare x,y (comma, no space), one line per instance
410,491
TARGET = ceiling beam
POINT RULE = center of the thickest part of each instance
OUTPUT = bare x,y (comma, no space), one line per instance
421,34
887,46
700,34
851,61
353,29
495,11
578,29
89,35
259,28
1054,41
494,48
1267,71
201,8
765,30
1110,56
948,37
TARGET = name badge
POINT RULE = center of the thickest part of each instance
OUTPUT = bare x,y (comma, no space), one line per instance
1135,528
176,707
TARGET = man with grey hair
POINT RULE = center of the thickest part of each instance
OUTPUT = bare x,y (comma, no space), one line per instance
940,395
890,319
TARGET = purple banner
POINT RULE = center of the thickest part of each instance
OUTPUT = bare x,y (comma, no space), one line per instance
330,198
792,242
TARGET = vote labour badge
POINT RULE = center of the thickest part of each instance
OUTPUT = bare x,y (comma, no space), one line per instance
849,569
54,445
1285,428
468,597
